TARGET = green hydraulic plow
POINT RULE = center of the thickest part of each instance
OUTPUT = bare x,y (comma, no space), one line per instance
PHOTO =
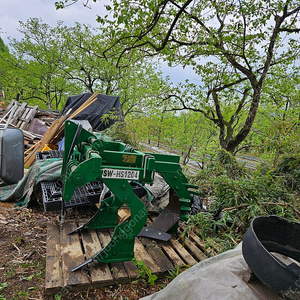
92,156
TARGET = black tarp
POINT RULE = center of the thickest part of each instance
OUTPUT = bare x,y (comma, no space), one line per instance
96,110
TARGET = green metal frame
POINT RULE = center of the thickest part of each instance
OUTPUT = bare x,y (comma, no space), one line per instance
93,158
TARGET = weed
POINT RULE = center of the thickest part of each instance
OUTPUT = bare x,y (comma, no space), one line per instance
57,296
175,272
237,195
9,274
19,240
144,272
29,278
21,295
3,285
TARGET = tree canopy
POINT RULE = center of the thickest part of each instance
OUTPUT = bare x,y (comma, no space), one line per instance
50,63
232,45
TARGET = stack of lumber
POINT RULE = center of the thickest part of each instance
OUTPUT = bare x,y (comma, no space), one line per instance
40,128
55,132
21,114
46,139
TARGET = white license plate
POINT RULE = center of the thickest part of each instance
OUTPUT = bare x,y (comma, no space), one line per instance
121,174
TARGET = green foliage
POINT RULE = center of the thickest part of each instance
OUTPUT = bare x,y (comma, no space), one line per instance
57,296
175,272
220,163
50,63
123,131
28,278
288,169
3,47
3,285
236,54
21,295
9,274
144,272
236,196
276,130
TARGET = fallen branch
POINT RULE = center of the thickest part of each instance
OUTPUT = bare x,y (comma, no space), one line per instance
17,247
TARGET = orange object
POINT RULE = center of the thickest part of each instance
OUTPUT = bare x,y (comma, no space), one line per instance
49,147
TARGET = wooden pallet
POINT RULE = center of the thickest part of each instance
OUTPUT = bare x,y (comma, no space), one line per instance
64,252
23,114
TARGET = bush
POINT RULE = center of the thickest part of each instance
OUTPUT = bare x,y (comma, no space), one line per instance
241,195
289,170
223,163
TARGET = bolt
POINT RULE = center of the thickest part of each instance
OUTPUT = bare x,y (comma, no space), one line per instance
78,179
130,238
113,210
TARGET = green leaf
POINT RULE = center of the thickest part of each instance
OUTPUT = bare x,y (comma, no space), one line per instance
3,285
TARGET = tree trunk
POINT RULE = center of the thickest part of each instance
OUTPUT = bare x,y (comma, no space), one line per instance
229,142
48,97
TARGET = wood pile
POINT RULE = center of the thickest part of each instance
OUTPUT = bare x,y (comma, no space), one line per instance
40,128
21,115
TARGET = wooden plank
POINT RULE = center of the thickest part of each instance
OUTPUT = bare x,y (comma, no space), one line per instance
159,257
262,291
18,113
119,273
214,246
200,243
99,272
285,259
21,118
258,287
24,116
141,254
29,117
10,105
30,158
176,260
130,268
183,253
196,252
72,256
154,250
123,214
53,279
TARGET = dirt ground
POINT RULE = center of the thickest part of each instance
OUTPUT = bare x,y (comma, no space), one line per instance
23,235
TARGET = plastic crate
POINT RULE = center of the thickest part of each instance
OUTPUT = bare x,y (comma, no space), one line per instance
49,154
83,196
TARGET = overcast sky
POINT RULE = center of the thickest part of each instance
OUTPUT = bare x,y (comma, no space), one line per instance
13,11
